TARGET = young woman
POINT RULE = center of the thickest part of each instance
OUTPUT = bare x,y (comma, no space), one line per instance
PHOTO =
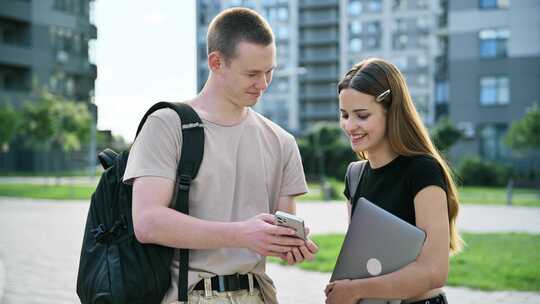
405,175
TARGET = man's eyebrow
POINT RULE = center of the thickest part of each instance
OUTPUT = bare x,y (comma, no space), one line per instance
259,71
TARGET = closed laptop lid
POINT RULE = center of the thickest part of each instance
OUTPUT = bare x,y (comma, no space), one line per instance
377,242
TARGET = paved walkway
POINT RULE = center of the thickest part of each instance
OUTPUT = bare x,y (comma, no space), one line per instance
40,246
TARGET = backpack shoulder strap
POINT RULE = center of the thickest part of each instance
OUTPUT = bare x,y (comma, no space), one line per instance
188,167
354,174
192,149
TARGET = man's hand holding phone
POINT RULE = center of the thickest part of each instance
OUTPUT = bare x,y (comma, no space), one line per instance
303,252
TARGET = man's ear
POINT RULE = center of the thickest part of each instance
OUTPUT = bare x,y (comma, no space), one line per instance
215,61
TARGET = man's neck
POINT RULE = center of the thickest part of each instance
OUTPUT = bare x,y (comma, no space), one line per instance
215,107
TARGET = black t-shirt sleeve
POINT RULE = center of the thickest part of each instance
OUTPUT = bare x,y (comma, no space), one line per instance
346,190
425,171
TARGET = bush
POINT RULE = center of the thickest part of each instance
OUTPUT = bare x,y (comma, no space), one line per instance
476,172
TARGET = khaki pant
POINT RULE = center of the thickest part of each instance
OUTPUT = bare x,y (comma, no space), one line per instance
227,297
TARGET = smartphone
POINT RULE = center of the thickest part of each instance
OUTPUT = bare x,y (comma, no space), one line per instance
291,221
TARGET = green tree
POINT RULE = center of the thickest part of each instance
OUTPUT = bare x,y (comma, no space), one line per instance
524,133
325,151
9,123
445,135
53,122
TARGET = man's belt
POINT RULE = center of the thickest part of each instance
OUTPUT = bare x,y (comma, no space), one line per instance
230,282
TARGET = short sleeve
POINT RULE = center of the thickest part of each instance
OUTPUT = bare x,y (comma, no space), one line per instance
294,180
425,171
156,151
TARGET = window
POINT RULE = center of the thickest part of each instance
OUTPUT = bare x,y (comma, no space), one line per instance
422,23
400,25
401,63
494,4
398,5
283,14
373,43
422,79
374,6
355,45
491,146
422,61
494,90
356,27
76,7
373,27
400,41
441,92
355,8
493,43
283,31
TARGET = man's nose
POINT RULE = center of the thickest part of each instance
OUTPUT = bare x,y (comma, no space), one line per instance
262,83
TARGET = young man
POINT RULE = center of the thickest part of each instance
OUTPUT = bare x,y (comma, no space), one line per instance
251,168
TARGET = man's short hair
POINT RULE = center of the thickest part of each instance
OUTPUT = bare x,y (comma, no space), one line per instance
234,25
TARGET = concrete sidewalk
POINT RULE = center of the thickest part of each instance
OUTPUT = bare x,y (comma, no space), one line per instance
40,244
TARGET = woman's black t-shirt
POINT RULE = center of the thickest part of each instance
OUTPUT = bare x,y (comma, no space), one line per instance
394,185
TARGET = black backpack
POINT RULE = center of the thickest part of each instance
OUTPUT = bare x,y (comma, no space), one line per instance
114,267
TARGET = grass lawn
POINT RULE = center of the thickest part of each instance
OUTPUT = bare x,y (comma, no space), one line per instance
497,196
60,192
509,261
83,173
468,195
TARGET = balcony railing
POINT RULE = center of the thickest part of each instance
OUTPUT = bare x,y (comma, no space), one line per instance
19,10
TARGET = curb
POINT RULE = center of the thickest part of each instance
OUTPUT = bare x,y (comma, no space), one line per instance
2,280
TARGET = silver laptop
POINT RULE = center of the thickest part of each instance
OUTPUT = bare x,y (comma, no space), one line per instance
377,242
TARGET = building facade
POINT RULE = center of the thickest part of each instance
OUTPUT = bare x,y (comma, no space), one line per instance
494,72
45,44
319,40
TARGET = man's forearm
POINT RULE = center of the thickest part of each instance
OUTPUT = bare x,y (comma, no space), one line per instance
168,227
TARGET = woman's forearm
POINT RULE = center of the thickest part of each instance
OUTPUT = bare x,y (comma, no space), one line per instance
408,282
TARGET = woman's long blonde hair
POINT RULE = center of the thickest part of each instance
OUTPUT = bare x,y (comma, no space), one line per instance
406,133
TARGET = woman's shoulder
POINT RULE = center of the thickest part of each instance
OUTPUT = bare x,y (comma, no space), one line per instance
423,163
423,171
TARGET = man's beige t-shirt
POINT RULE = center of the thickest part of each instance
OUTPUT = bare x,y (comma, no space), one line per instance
245,169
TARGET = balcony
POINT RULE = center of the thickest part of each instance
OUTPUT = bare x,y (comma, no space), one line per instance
92,31
16,55
19,10
330,113
331,20
319,77
319,40
320,4
319,95
318,59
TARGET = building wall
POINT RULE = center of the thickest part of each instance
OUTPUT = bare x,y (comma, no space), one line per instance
45,44
320,47
520,65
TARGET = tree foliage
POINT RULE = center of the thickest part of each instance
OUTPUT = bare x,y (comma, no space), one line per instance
525,133
445,135
9,124
325,151
53,121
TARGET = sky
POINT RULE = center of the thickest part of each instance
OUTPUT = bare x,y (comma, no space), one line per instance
145,52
